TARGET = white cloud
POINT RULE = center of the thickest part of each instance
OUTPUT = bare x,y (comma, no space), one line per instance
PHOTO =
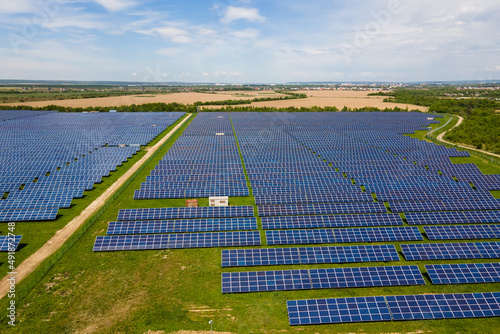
497,68
171,33
241,13
80,21
207,32
116,5
247,33
169,52
19,6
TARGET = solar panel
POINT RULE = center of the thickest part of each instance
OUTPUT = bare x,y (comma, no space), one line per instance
286,222
306,279
431,218
185,213
464,273
320,209
183,225
28,214
447,232
444,306
9,243
337,310
365,277
308,255
167,241
397,308
256,281
319,236
451,251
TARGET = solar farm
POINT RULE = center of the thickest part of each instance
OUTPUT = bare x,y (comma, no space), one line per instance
337,222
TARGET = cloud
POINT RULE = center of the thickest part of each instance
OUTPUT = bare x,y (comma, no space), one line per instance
19,6
171,33
207,32
247,33
116,5
169,52
241,13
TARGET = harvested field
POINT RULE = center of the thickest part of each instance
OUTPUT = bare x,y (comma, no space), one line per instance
339,99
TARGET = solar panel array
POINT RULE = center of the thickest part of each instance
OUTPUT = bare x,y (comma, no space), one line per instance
49,158
450,232
322,236
183,225
396,308
304,279
185,213
204,161
451,251
168,241
470,217
308,255
284,222
461,273
9,243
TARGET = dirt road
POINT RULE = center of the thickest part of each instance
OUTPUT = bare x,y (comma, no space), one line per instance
460,120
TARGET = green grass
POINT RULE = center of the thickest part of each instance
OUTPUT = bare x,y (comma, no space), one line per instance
172,290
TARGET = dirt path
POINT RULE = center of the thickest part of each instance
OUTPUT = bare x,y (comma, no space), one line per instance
460,120
51,246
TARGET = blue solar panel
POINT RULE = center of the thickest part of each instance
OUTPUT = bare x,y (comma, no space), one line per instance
185,213
451,251
431,218
28,214
167,241
47,160
308,255
365,277
286,222
444,306
305,279
183,225
9,243
450,232
397,308
464,273
337,310
448,205
320,209
320,236
256,281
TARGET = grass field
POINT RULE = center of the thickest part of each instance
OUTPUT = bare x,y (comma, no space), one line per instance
172,290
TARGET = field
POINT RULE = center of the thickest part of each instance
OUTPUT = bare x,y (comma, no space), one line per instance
169,291
339,99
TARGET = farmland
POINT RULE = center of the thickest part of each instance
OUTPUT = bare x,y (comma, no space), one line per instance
169,290
337,98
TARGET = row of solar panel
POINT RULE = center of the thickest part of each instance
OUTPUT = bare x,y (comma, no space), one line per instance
333,278
387,308
307,279
185,213
168,241
184,225
320,209
9,243
325,236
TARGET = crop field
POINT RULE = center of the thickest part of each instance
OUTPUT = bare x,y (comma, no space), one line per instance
337,223
337,98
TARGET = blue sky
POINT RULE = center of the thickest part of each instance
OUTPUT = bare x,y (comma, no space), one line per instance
250,41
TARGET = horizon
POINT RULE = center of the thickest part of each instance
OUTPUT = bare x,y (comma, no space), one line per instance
250,41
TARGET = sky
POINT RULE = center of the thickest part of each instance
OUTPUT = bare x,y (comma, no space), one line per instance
250,41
